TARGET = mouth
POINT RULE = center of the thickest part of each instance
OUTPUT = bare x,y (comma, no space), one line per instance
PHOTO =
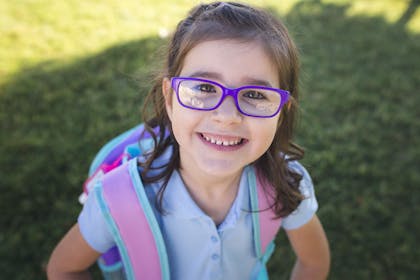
223,141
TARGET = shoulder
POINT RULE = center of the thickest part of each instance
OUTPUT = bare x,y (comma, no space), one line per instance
299,168
308,206
93,226
159,163
306,185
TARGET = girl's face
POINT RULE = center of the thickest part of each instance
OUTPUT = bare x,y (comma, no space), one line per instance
221,142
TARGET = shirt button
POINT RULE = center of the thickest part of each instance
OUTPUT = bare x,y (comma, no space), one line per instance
214,239
215,257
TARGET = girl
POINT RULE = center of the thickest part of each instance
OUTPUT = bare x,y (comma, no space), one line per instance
224,108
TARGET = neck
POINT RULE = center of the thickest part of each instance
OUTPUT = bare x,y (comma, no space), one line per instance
214,195
210,184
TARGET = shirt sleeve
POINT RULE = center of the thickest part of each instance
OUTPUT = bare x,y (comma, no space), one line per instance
307,207
93,226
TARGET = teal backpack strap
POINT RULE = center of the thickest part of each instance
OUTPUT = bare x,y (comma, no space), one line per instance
128,137
131,144
265,225
133,224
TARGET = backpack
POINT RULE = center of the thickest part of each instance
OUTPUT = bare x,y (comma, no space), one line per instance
115,174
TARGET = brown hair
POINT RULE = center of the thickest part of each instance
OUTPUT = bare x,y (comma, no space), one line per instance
228,20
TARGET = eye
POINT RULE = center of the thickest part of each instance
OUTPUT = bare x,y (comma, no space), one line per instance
254,95
208,88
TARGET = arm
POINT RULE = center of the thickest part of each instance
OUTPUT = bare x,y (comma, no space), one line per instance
72,257
310,245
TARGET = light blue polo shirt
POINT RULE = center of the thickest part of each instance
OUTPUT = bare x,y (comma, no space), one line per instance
196,248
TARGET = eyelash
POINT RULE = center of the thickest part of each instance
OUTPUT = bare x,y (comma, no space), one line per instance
259,95
205,87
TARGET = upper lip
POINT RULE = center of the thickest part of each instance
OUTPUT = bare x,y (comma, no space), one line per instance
221,136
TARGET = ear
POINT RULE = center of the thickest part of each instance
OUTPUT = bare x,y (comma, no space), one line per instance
167,94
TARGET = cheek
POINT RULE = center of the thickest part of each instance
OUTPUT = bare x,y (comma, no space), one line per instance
182,120
169,107
176,120
270,126
176,113
269,137
267,132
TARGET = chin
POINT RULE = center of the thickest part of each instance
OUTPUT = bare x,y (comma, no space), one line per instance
220,168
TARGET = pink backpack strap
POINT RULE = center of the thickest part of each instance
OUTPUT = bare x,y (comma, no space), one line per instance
133,224
265,225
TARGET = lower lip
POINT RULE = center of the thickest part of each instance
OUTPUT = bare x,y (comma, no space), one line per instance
221,147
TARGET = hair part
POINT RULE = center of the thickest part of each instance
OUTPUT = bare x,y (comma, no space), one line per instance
239,22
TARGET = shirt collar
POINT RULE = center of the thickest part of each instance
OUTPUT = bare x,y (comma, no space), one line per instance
178,202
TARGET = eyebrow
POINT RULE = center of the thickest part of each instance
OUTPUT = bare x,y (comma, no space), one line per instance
214,75
258,82
205,74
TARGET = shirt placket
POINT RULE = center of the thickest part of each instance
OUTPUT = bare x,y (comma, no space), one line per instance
215,253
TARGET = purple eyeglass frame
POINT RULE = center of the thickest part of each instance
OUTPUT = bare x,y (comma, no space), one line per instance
284,95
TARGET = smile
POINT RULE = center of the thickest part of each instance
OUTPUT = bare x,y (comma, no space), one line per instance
222,141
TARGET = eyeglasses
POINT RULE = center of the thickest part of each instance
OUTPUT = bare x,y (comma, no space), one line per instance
206,95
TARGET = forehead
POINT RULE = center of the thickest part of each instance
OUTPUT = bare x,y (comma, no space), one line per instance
230,62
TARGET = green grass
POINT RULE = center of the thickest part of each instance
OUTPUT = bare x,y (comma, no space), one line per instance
73,74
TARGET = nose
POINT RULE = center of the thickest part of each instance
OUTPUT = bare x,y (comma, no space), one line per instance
227,112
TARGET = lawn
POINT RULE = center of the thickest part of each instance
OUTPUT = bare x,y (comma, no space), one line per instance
73,74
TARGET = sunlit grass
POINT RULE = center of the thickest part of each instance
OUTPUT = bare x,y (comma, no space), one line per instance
391,10
43,30
36,31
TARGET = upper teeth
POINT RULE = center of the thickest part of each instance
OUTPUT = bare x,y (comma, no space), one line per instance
222,142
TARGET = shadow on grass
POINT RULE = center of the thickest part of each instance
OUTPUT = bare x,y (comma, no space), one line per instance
54,118
359,125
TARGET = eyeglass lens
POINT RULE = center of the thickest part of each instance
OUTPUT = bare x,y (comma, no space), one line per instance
206,96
